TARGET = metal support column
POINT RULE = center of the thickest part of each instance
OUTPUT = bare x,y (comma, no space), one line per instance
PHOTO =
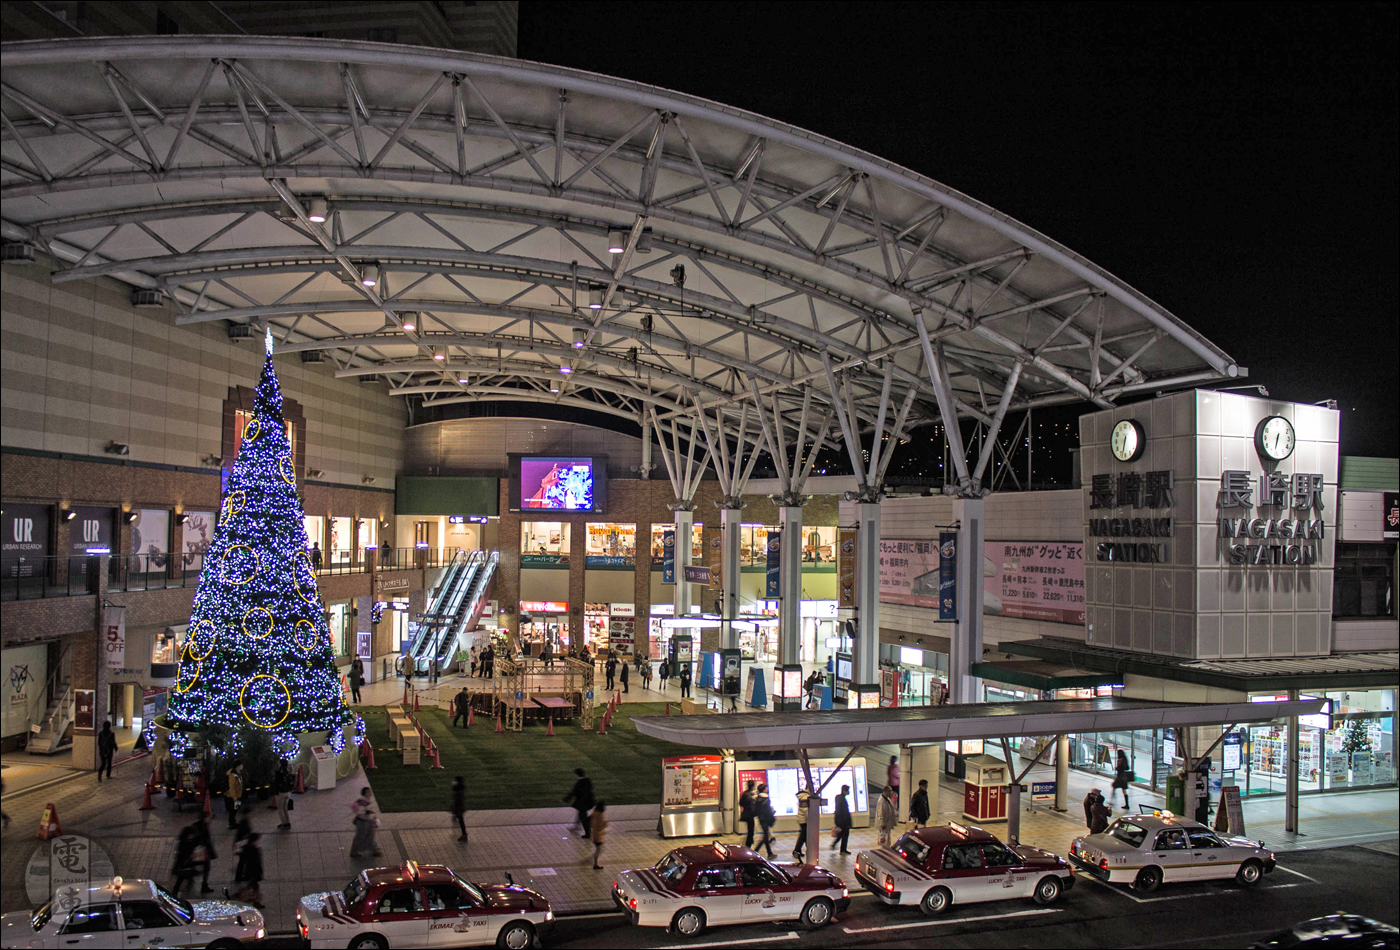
866,649
685,538
645,468
790,585
728,785
1290,794
966,648
730,528
1062,773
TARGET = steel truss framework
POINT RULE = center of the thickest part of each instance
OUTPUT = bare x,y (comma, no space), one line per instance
471,228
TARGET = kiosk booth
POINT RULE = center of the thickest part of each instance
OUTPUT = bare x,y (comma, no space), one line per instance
984,788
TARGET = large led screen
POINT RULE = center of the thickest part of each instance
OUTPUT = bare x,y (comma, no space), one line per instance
560,483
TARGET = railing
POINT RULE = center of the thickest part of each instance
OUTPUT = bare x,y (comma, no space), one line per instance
32,578
148,572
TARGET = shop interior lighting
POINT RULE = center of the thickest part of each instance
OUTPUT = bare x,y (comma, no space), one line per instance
580,337
617,242
370,274
595,298
317,211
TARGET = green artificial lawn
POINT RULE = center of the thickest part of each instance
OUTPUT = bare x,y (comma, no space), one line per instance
520,769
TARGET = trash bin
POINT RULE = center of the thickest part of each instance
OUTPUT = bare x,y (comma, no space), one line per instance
1176,795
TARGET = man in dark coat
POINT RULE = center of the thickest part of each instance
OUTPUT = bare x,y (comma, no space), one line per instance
843,820
1089,800
746,811
357,679
106,750
581,797
611,669
685,681
460,702
459,805
918,805
625,668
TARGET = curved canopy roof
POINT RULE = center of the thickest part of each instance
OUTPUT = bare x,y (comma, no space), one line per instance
757,264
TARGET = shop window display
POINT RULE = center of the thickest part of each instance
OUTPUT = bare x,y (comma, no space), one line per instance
544,543
1357,751
611,545
658,532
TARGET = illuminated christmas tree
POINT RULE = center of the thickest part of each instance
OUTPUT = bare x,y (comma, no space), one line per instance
258,650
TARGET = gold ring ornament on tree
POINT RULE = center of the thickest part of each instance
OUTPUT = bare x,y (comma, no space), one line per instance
286,470
233,504
239,569
304,633
202,632
260,628
276,685
181,686
306,585
252,429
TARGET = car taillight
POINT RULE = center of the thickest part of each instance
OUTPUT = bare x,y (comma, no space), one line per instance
615,887
1103,863
632,903
889,883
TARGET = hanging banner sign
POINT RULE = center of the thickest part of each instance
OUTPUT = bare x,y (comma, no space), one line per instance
715,546
948,575
668,556
114,636
90,528
846,567
909,572
697,575
775,548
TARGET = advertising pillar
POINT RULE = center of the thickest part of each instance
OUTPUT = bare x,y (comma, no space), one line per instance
866,650
685,538
966,646
731,528
790,585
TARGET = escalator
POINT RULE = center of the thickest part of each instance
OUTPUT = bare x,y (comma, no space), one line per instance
420,632
477,589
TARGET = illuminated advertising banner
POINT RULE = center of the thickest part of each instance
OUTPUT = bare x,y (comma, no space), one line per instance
556,484
775,547
846,567
668,557
909,572
1035,580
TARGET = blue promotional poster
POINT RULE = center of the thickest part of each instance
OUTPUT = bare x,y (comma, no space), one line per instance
668,557
775,547
947,575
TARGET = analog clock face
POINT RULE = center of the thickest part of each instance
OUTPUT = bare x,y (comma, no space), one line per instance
1274,438
1128,441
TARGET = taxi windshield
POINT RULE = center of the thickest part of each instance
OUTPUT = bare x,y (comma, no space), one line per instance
354,892
180,909
912,850
1128,833
671,867
472,890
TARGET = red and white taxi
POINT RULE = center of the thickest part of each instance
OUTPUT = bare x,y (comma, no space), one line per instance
704,885
422,906
950,864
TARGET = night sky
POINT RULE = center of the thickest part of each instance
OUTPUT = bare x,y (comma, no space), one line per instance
1237,164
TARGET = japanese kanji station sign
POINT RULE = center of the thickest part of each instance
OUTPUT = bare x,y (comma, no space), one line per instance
1151,491
1283,538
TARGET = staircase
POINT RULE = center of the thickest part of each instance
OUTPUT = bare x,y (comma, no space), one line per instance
54,725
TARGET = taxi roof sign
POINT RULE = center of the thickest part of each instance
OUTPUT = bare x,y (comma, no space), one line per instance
721,849
412,869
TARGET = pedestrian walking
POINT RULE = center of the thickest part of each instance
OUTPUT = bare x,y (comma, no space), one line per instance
252,867
581,798
183,871
685,680
1122,775
842,832
886,816
241,832
665,671
357,679
106,750
282,786
203,855
610,668
1098,822
233,792
919,806
1094,795
892,776
804,805
459,806
625,668
366,823
746,811
598,826
316,557
547,656
763,809
460,704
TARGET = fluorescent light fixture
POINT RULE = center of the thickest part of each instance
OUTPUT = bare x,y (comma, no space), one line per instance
566,369
580,337
682,623
370,274
463,380
440,353
595,298
317,211
617,241
97,551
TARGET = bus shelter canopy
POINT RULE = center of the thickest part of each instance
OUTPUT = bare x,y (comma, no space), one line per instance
858,727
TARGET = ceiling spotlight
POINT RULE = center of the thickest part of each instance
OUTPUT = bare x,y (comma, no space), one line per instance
463,380
410,321
117,448
213,460
67,514
644,241
315,473
554,387
439,353
617,241
678,275
566,369
368,480
595,298
370,274
580,337
317,211
181,518
130,516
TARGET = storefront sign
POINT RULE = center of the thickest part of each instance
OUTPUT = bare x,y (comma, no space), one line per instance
622,610
1035,580
775,547
1233,809
84,708
543,560
1390,515
668,556
114,636
697,575
393,583
543,607
90,528
846,567
948,576
24,539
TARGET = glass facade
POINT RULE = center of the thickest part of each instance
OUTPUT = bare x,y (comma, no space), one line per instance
1354,749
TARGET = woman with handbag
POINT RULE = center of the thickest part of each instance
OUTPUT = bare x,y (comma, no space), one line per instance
1122,775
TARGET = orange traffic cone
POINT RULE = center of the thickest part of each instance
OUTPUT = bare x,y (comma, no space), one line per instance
369,751
471,715
603,725
499,727
301,781
160,772
415,700
208,805
48,823
549,730
437,758
146,801
405,692
668,709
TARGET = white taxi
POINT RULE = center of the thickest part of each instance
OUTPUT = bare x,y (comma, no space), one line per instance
134,913
422,906
1145,850
944,865
703,885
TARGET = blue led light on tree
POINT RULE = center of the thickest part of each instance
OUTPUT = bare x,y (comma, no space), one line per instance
259,651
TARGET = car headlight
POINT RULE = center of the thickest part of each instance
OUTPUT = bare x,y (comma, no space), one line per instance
549,915
262,932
